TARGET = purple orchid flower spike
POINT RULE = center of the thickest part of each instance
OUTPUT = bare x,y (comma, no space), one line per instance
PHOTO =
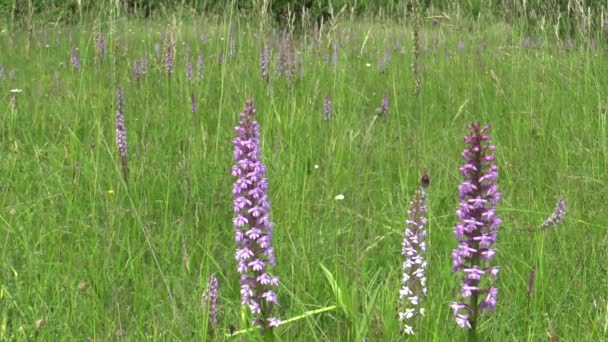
476,231
254,254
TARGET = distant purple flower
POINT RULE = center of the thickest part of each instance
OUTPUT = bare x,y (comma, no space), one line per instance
413,288
384,105
381,64
199,67
189,70
531,281
327,107
209,299
424,180
461,45
75,60
220,58
264,61
136,70
121,133
477,229
169,59
287,62
558,214
592,44
326,57
101,47
254,253
193,103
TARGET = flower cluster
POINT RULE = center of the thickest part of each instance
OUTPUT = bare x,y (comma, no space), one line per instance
193,103
254,253
209,299
264,61
477,228
384,104
199,67
169,46
189,70
558,214
413,248
101,47
137,70
121,132
75,59
327,107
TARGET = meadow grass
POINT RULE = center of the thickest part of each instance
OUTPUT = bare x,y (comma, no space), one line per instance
86,255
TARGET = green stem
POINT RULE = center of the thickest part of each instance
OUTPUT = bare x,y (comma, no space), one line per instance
269,335
473,319
293,319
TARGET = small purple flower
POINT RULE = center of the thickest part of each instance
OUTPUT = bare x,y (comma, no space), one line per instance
209,300
327,107
531,281
424,180
121,133
136,70
461,45
592,44
384,104
189,70
264,61
254,253
199,67
413,288
287,62
381,64
477,229
193,103
101,47
75,60
557,216
220,58
169,61
169,47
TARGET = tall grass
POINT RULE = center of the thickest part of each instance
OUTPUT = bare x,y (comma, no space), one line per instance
83,256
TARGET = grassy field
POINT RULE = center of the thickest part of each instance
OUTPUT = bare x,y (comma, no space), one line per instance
86,255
